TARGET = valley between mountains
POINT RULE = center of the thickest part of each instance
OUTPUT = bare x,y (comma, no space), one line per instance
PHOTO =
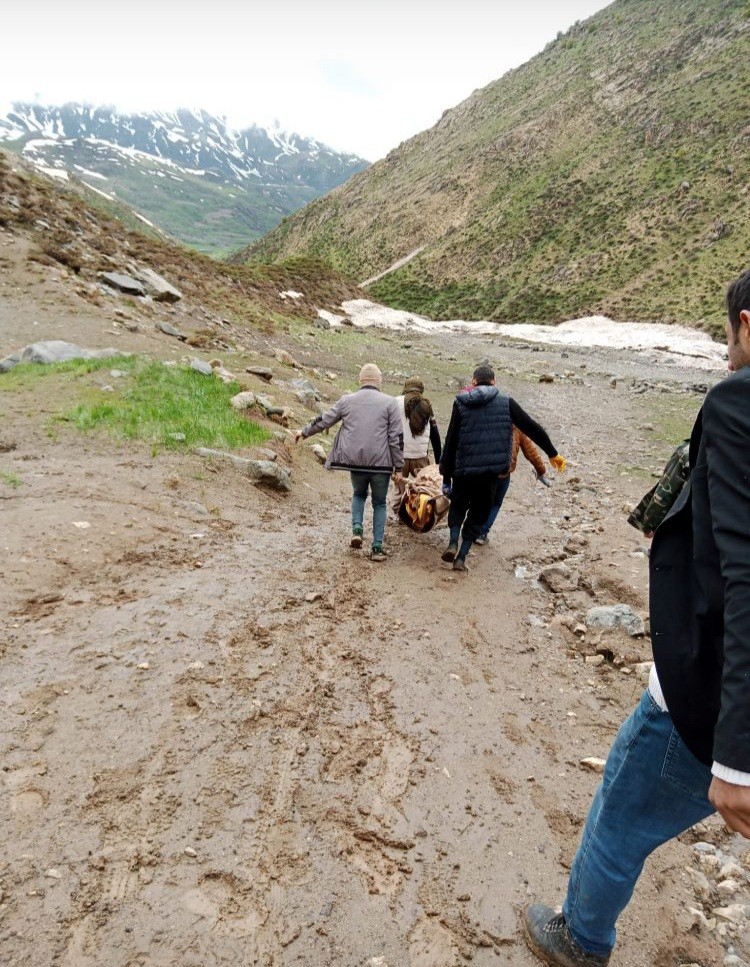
228,739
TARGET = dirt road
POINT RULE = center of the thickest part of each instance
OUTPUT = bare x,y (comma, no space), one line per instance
203,767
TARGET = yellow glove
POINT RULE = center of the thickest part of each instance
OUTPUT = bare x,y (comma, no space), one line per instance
559,463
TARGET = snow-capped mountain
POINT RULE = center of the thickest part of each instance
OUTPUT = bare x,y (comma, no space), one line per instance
187,171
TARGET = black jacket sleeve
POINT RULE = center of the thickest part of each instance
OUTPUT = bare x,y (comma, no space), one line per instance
533,430
437,447
448,456
726,432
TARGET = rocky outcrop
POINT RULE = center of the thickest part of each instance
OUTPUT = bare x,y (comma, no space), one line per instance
261,471
54,351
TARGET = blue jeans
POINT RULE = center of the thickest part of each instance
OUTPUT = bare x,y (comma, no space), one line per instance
653,789
378,486
502,490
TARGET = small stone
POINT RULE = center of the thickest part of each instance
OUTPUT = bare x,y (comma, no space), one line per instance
143,666
643,669
319,452
263,372
697,919
704,848
594,660
170,330
117,373
616,616
559,577
313,596
178,437
546,378
731,869
593,764
701,886
728,888
189,851
53,874
734,913
82,525
286,358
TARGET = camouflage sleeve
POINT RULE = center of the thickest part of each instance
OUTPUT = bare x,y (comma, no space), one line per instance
667,490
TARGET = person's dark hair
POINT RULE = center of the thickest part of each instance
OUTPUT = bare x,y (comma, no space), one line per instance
738,298
484,375
418,412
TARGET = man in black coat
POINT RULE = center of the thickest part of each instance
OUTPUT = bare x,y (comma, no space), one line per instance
477,452
685,751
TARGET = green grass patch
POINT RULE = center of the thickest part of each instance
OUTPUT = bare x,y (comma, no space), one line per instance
11,479
25,373
171,407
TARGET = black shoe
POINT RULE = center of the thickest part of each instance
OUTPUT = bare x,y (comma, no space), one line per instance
449,554
548,937
460,564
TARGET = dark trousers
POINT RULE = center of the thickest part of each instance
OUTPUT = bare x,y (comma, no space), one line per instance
471,502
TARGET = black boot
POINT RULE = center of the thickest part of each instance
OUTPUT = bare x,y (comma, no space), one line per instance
548,936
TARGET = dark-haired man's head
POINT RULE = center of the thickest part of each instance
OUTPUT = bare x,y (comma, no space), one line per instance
738,322
483,376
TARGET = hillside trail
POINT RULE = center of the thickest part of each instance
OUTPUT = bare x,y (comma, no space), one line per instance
203,767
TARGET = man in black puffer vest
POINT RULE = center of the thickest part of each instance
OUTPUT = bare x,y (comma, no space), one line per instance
477,452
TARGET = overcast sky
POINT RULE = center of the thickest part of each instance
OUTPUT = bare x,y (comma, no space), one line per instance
359,75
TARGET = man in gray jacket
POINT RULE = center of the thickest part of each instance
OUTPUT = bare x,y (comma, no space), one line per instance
370,445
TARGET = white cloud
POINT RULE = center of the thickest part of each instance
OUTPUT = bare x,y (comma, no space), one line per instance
361,76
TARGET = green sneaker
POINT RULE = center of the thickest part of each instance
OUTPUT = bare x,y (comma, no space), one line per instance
377,553
356,540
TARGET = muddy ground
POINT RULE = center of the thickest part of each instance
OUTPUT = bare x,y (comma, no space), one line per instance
202,767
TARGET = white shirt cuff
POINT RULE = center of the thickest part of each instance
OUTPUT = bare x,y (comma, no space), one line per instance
733,776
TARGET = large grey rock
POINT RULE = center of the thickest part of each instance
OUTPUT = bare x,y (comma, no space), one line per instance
157,287
170,330
202,367
616,616
263,471
243,401
53,351
123,283
306,394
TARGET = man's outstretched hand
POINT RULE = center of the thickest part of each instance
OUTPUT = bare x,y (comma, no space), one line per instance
559,463
733,802
298,436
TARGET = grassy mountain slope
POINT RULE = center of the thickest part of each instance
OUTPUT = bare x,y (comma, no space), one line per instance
609,173
88,234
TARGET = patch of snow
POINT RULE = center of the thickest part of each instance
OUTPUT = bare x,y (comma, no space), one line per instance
99,192
143,218
91,174
36,143
291,294
53,172
334,320
689,346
